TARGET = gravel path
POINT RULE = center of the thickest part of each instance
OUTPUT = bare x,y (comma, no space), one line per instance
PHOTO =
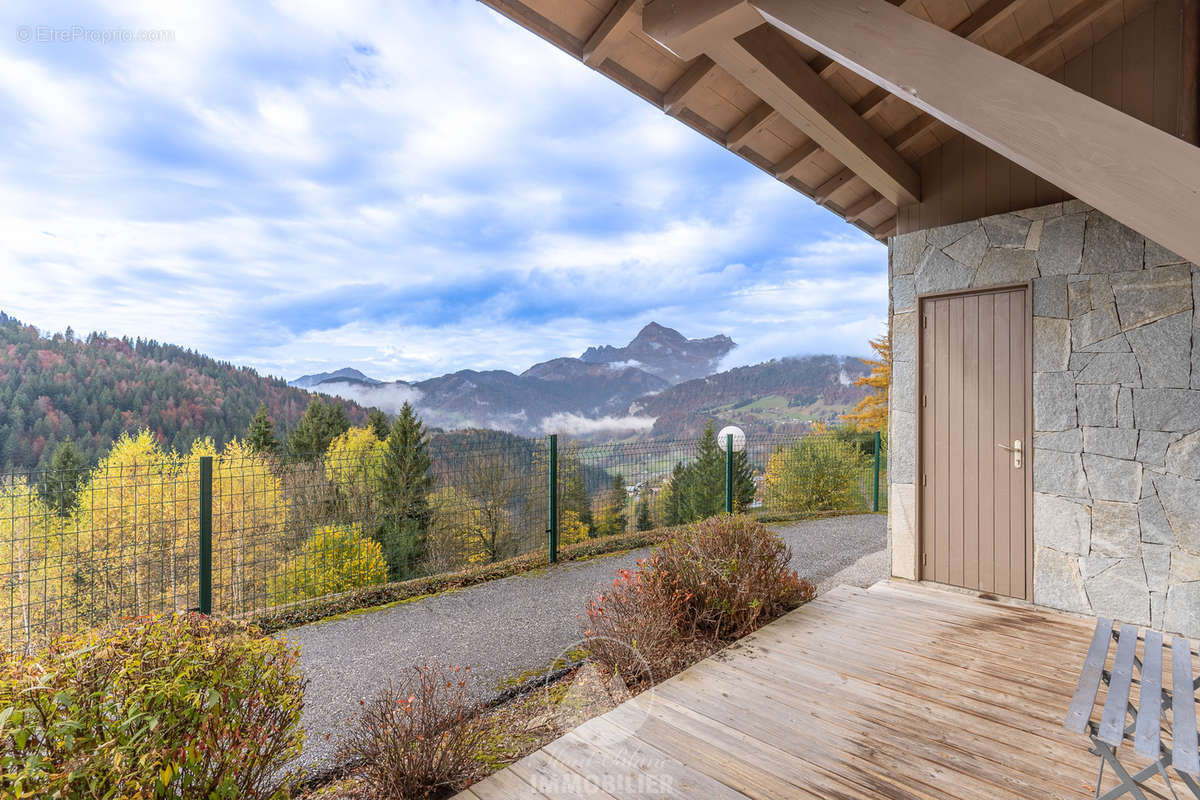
516,624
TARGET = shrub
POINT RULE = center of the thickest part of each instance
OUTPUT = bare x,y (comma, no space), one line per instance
418,737
711,582
732,574
168,706
636,634
336,558
817,475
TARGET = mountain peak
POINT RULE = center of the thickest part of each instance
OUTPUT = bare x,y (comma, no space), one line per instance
666,353
344,374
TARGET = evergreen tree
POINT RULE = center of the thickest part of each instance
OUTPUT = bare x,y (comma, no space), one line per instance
260,436
406,483
613,518
377,421
321,423
644,522
572,491
697,491
59,487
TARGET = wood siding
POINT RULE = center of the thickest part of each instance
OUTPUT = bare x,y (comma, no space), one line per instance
976,373
1138,68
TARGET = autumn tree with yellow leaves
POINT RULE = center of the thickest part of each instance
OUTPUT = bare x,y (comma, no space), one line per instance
871,413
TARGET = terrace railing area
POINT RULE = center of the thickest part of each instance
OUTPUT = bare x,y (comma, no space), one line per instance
239,533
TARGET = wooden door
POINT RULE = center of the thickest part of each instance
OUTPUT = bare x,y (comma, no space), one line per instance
975,441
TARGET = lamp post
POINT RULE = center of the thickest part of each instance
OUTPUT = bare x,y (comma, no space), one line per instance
735,442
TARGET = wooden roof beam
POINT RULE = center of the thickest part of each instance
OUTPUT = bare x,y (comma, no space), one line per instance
618,20
973,28
698,71
1139,175
885,229
796,159
1049,37
823,192
861,208
758,118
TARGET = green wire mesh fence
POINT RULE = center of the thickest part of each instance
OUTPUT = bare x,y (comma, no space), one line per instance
236,532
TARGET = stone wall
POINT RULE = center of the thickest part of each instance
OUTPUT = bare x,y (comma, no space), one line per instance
1116,449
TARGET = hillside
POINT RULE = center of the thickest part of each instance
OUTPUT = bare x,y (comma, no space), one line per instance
91,390
777,396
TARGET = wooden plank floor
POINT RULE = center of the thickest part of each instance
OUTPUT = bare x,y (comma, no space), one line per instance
899,691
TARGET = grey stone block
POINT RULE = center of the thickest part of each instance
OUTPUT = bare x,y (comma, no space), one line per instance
1061,249
1059,474
1051,344
1147,295
1094,326
1164,351
1001,267
903,392
1125,408
1157,255
948,234
904,294
970,249
1053,401
1183,456
1109,246
1097,405
1112,442
1179,500
1068,441
1057,582
1158,603
1113,344
1006,230
1153,522
939,272
1050,296
1182,614
1074,206
1061,524
902,446
907,251
1113,478
1185,566
1048,211
1091,566
1156,558
904,336
1152,447
1079,361
1119,368
1034,240
1079,295
1166,409
1115,531
1121,592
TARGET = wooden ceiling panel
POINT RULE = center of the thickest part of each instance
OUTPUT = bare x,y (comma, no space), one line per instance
785,132
947,13
1033,16
577,17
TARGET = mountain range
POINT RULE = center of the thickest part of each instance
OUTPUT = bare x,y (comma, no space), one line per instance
659,384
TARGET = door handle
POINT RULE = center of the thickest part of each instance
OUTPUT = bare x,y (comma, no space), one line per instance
1015,450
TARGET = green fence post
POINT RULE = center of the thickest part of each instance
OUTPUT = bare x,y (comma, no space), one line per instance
206,471
878,447
729,473
552,530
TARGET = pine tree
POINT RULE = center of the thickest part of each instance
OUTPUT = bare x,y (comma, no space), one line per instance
377,421
59,487
871,413
321,423
572,493
613,518
406,484
644,522
697,491
260,436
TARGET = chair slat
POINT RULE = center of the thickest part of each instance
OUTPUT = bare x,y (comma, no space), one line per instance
1112,721
1146,737
1089,678
1186,755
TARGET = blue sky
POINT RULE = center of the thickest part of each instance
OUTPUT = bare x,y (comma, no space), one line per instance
408,188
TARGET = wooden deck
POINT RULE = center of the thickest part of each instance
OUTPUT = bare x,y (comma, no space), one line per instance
899,691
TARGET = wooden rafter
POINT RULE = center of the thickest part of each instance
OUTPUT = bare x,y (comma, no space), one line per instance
885,229
796,159
860,208
823,192
758,118
1074,20
697,72
616,22
1137,174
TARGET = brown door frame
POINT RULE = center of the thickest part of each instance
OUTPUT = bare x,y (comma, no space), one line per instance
919,569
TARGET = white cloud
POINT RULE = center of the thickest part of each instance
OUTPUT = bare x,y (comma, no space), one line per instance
576,425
